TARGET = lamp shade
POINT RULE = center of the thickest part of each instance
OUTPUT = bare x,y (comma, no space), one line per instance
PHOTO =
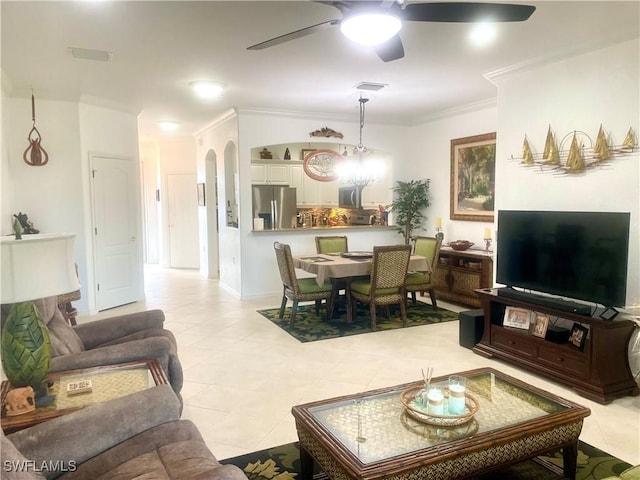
37,266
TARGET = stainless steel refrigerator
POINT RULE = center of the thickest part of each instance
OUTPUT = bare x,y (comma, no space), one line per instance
276,205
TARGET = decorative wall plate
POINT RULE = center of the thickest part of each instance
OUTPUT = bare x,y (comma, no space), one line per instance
321,165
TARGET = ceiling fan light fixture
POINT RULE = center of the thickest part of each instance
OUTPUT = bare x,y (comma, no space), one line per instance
370,29
483,34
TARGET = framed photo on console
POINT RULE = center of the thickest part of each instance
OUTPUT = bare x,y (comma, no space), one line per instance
540,324
578,336
517,318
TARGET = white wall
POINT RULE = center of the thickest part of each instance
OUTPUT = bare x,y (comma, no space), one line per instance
150,175
159,158
431,146
110,132
176,155
51,195
579,93
57,196
6,185
226,248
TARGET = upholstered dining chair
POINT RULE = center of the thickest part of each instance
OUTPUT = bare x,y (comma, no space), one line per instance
428,247
298,289
332,244
386,284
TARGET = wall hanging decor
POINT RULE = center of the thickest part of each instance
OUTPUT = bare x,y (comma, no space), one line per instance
576,152
35,155
322,165
473,167
326,132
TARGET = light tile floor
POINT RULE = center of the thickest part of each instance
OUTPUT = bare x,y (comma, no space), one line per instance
243,374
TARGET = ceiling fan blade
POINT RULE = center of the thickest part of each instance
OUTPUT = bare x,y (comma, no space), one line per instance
303,32
467,12
390,50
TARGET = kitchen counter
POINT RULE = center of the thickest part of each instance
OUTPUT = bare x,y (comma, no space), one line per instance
327,227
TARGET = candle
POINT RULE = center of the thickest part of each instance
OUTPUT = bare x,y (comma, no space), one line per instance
457,388
435,401
438,222
487,233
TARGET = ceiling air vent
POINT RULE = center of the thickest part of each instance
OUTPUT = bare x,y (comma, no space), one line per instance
88,54
371,86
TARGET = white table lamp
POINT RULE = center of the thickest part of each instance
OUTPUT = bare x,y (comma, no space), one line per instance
34,267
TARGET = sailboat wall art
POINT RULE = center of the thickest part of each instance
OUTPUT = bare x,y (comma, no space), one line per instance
576,152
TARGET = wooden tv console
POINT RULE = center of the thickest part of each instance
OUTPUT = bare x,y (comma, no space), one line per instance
600,372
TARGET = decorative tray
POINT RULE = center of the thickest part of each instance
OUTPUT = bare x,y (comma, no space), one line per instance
418,411
357,255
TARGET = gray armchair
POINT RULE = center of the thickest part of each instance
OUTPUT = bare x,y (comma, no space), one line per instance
135,336
137,436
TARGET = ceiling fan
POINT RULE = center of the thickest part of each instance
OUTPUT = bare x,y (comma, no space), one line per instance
357,16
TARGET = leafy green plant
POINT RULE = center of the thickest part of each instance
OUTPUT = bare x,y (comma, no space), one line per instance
410,200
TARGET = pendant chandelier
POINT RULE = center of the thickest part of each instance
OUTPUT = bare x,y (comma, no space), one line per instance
361,169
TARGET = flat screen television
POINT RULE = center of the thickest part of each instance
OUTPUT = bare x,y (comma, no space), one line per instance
580,255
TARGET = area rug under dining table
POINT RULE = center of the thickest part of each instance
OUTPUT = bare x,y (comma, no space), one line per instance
310,327
283,463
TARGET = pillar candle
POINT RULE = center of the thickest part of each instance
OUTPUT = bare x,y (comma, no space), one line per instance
438,222
487,233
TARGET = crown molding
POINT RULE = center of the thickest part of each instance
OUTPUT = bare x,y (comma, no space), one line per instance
459,110
528,65
296,114
223,117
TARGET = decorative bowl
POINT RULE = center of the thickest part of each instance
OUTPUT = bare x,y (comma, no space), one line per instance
418,412
460,244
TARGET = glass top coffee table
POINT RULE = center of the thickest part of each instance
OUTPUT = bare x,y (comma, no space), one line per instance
107,383
369,435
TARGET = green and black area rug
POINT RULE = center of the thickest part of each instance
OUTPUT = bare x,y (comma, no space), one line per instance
309,327
283,463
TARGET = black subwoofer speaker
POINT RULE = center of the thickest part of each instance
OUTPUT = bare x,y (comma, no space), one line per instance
471,327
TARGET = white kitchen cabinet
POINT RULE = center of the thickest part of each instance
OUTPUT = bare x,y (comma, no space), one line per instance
296,176
270,173
329,193
379,193
312,196
376,194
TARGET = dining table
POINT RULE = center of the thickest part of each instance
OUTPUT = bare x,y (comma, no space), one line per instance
347,266
353,264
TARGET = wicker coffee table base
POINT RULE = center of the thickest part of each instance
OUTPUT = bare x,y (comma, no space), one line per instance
454,466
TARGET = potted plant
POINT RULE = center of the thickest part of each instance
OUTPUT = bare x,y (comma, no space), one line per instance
410,199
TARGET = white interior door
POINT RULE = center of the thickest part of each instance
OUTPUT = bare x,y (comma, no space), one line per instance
182,198
117,257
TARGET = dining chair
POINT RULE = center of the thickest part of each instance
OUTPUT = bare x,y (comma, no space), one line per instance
385,286
298,289
428,247
332,244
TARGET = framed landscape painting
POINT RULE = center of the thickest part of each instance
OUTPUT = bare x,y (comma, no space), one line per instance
473,168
